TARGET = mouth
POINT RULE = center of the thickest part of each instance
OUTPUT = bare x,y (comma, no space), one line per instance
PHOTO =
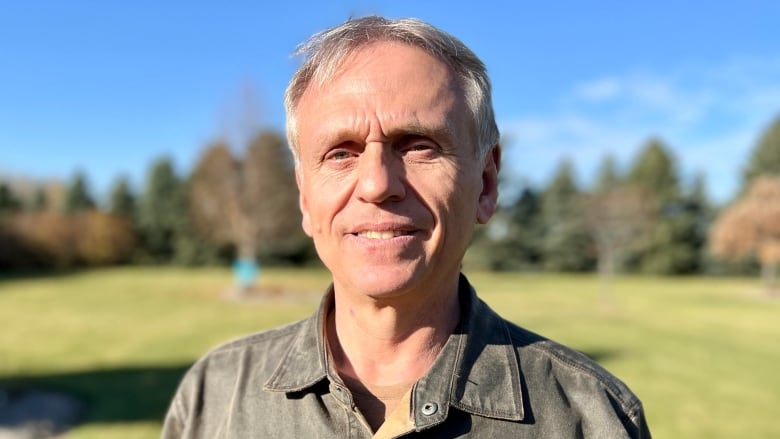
382,234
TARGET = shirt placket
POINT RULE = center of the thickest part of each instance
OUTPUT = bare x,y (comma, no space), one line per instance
356,425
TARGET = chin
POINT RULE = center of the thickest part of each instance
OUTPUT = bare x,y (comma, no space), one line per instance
383,283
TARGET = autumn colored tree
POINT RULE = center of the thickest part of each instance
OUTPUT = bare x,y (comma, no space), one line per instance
49,239
751,226
102,238
250,202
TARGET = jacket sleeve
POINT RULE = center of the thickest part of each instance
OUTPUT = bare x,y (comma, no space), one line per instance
638,428
173,426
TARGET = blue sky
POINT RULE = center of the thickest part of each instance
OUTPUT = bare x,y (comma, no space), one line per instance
107,87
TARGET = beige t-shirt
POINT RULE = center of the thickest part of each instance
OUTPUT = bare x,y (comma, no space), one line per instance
376,403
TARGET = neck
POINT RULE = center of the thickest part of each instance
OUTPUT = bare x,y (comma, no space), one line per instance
391,341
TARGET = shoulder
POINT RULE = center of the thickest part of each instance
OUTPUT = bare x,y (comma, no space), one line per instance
252,357
263,340
212,382
578,379
259,349
225,373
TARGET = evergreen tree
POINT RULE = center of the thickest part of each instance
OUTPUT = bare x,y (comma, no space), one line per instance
8,201
699,212
526,218
121,200
672,246
654,169
512,238
566,245
160,211
765,159
607,176
40,200
77,195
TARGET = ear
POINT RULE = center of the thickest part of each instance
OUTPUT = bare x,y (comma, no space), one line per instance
302,204
488,198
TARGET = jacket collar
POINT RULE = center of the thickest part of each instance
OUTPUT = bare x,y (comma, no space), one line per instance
477,371
305,364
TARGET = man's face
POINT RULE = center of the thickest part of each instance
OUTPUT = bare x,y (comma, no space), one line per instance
389,178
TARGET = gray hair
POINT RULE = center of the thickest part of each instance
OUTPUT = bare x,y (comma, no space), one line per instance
326,51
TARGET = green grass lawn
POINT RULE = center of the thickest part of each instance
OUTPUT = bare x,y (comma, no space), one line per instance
703,354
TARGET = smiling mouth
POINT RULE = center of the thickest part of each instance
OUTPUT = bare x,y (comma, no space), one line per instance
386,234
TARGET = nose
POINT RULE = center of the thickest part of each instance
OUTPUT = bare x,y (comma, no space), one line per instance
380,175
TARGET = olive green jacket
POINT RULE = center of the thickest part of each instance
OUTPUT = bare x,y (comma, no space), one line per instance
492,379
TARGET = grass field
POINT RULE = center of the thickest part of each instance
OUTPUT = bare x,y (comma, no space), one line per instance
703,354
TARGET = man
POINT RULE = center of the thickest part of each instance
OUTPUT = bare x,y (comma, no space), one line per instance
397,157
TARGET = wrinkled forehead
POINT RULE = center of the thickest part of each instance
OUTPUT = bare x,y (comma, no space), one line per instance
380,52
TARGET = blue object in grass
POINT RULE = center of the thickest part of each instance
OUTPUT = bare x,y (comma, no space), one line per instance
245,272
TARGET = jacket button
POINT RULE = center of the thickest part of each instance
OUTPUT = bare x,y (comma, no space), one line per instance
430,408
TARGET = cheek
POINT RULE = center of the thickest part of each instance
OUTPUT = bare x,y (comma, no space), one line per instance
451,195
325,201
466,192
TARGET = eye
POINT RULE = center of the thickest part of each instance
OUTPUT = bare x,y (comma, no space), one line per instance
417,146
338,155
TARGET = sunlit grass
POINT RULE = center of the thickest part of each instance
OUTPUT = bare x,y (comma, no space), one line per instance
702,354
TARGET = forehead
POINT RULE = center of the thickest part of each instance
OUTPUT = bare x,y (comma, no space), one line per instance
390,82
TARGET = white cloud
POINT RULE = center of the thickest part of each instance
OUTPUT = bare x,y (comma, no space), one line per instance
710,116
600,90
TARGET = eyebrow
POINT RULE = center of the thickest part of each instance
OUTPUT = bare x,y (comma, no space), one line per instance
437,132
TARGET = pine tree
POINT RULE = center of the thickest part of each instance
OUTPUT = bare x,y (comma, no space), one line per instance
9,203
121,200
512,238
607,176
671,247
40,200
160,211
77,195
566,245
654,169
525,240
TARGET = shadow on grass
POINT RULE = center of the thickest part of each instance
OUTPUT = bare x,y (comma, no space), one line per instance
32,274
110,395
600,355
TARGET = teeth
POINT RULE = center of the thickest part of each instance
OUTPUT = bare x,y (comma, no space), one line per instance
373,234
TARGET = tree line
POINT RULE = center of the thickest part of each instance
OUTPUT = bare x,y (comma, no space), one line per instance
230,205
642,219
